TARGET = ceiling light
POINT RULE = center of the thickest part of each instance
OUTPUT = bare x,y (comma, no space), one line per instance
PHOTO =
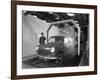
50,12
70,14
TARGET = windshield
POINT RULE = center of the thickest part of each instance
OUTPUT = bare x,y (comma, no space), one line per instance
51,40
56,39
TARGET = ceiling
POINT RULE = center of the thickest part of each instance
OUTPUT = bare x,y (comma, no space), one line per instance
57,16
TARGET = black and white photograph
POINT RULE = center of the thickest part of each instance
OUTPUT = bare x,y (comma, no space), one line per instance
54,39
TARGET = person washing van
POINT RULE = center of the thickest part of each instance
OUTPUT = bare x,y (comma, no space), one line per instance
42,39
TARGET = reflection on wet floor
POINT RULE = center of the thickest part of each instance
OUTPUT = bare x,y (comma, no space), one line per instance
36,63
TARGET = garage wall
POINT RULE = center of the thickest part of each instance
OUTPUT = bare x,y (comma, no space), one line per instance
29,38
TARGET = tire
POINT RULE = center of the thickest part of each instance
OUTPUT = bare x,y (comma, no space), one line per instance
59,59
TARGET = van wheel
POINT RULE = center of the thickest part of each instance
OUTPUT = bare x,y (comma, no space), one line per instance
59,59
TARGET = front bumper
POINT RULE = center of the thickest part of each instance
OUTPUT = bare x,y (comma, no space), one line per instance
47,57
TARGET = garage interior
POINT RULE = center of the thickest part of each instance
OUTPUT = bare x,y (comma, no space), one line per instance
35,22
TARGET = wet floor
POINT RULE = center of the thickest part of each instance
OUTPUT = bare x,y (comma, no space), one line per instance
37,63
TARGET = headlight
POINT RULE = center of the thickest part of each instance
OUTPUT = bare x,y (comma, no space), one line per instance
37,48
52,49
